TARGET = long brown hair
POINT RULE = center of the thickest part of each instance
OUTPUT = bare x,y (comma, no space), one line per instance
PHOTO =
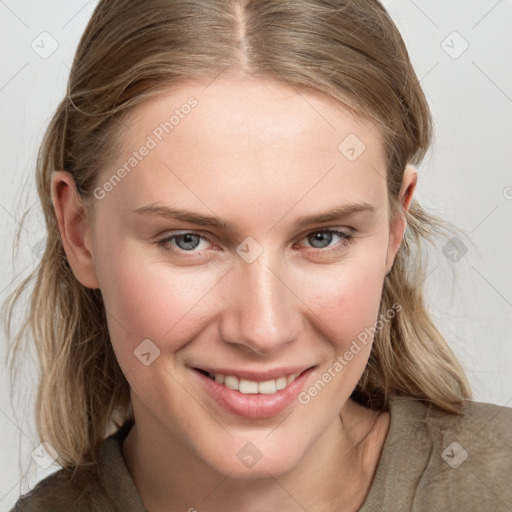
349,50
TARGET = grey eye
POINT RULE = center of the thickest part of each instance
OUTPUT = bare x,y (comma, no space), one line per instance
190,241
320,238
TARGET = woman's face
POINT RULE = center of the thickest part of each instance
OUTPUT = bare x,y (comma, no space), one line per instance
207,260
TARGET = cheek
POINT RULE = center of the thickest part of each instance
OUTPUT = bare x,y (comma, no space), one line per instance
345,311
345,307
152,300
347,301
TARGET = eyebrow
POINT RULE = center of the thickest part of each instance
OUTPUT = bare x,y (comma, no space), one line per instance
167,212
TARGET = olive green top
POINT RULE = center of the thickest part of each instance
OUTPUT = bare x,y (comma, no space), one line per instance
431,461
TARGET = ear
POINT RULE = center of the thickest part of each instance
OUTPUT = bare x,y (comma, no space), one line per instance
397,231
74,228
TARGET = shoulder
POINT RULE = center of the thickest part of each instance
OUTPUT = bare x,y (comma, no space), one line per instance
479,442
64,491
482,431
105,487
487,419
60,492
433,460
479,423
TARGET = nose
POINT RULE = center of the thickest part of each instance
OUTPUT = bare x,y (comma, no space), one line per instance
262,312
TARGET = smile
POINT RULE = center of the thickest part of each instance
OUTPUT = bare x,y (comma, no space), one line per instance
268,387
253,395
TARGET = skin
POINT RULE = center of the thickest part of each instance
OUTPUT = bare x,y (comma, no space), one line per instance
258,155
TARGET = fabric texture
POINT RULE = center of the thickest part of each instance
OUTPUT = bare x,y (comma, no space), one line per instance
431,461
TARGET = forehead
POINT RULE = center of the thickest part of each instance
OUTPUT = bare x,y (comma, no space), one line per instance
250,112
264,140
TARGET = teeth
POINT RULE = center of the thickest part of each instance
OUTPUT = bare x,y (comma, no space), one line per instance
291,378
244,386
268,387
281,383
231,382
247,386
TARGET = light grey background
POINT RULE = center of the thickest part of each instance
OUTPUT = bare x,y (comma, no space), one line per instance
466,178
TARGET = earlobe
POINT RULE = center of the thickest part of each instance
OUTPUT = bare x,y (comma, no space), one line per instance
74,228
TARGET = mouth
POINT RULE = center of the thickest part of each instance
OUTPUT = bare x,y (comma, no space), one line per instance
256,398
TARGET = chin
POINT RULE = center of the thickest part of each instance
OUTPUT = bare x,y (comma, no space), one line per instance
246,459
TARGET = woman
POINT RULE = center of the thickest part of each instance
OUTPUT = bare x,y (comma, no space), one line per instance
228,311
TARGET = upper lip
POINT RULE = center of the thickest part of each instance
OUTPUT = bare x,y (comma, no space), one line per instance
256,376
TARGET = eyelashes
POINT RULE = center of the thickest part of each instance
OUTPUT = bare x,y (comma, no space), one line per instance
194,239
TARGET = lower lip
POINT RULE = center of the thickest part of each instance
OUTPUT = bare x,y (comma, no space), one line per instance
254,406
